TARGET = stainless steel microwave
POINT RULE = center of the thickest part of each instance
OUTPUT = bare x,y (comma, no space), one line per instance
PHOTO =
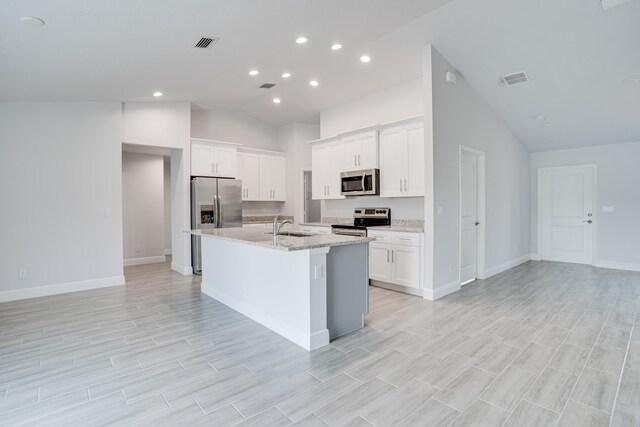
360,183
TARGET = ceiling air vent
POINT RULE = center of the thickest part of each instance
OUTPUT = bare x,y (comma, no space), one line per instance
267,85
205,42
514,79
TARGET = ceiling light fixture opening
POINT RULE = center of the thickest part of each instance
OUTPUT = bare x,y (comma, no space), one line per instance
276,100
302,40
286,75
313,83
365,58
336,46
254,72
157,94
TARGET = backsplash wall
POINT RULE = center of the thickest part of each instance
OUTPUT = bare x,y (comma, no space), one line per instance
401,208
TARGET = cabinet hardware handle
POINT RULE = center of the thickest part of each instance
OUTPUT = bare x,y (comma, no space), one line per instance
387,255
393,256
355,160
400,184
359,163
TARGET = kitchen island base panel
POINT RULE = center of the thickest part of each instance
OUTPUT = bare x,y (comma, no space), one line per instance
287,292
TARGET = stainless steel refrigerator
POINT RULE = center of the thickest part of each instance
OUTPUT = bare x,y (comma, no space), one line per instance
215,203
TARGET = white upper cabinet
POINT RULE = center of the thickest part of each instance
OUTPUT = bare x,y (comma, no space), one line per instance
402,161
211,159
361,151
327,162
249,173
272,178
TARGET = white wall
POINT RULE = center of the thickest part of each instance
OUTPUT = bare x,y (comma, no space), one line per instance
60,186
292,139
461,117
233,126
395,103
617,233
168,125
143,208
167,204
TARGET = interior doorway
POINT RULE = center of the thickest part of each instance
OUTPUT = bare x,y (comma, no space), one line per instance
312,208
566,214
472,211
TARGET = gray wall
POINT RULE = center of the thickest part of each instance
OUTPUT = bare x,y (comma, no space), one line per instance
618,175
461,117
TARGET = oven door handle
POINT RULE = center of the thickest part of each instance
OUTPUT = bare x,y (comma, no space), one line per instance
364,177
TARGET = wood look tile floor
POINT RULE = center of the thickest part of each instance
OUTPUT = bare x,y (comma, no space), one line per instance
543,344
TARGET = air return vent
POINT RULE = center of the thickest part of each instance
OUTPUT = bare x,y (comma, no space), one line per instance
514,79
205,42
267,85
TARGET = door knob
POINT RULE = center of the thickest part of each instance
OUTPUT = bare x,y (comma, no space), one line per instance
477,223
588,221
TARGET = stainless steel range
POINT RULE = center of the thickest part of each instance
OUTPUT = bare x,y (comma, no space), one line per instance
363,218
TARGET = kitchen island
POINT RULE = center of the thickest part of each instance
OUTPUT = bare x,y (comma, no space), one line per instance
309,289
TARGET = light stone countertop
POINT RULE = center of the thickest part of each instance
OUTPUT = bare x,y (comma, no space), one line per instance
316,224
263,219
258,237
392,227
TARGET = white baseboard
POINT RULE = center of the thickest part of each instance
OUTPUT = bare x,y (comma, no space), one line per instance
397,288
167,251
308,341
442,291
145,260
506,266
535,257
61,288
185,271
617,265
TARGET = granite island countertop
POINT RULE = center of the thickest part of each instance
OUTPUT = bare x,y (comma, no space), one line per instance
259,237
405,227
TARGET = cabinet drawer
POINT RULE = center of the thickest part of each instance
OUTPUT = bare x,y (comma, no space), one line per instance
406,239
381,236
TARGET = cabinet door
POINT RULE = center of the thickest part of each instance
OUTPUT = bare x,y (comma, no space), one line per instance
368,156
278,179
318,171
352,152
406,266
266,192
201,160
415,160
393,160
380,262
225,162
335,166
250,176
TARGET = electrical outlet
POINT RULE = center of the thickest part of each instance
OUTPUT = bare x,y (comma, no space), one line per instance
440,210
138,248
22,273
107,212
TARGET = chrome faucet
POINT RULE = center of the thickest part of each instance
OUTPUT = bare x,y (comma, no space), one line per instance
277,226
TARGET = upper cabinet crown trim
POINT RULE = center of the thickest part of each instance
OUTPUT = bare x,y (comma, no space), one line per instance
213,141
367,128
259,151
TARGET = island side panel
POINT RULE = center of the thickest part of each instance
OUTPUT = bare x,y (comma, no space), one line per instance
272,287
347,288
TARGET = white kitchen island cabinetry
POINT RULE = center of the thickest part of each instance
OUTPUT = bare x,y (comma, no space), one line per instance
213,158
402,161
395,260
307,289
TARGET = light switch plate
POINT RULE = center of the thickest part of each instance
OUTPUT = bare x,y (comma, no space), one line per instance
440,211
607,209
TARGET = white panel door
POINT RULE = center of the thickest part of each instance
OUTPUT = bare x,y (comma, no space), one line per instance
225,162
250,175
414,184
202,160
567,214
278,166
352,151
406,266
468,217
368,156
380,262
266,190
393,160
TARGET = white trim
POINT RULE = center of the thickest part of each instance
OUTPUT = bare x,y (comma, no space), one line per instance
615,265
213,141
535,257
468,281
61,288
145,260
595,208
258,150
481,230
167,252
185,271
376,127
489,272
307,341
397,288
442,291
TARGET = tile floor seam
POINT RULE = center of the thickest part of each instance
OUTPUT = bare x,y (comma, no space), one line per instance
241,414
165,399
623,368
540,406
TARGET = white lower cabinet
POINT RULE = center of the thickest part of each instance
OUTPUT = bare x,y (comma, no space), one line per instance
395,258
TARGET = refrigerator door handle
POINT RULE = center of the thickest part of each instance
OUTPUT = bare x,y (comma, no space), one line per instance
219,208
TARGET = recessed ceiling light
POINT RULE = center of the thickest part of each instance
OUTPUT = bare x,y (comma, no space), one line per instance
254,72
32,21
541,118
286,75
629,81
313,83
365,58
302,40
157,94
276,100
336,46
